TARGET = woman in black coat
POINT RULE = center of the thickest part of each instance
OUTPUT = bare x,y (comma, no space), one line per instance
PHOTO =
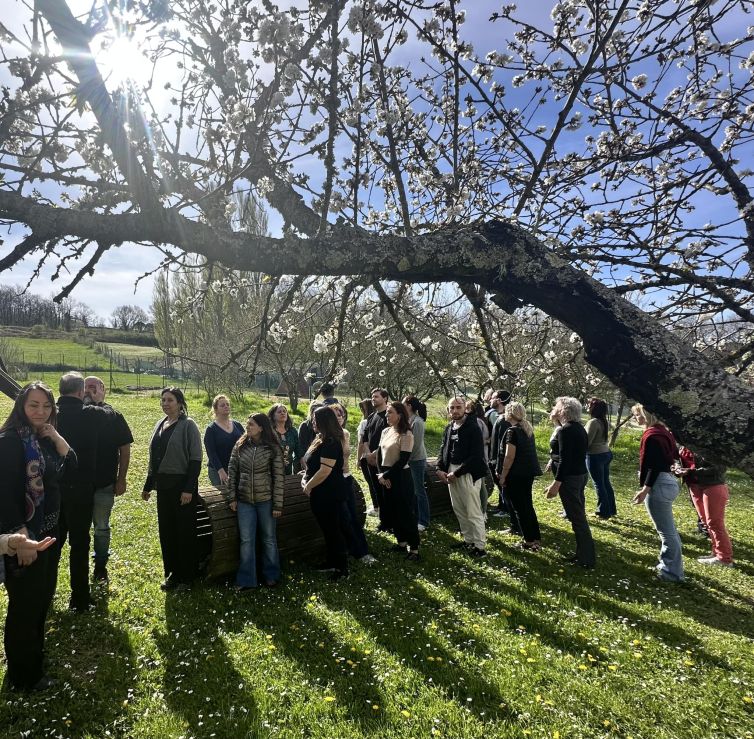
33,456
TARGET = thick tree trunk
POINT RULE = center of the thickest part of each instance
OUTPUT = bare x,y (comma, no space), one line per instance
705,407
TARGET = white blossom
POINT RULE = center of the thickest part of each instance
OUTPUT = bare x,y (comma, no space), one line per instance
639,82
320,344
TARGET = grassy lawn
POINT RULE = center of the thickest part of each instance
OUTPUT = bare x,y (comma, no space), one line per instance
517,645
135,351
55,352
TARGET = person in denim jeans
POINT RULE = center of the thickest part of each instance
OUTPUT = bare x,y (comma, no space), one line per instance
658,452
417,462
255,491
598,458
113,458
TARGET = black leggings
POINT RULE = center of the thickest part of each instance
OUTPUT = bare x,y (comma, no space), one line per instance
177,525
518,492
328,510
30,592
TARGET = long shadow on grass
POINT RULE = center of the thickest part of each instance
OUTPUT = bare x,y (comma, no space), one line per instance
93,663
325,654
534,573
395,614
694,600
200,678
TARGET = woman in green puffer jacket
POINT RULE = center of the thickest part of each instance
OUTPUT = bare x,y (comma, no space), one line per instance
255,487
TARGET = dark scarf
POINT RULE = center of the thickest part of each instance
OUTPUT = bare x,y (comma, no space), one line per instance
34,468
661,434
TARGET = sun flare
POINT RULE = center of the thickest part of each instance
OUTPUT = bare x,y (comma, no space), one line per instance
123,63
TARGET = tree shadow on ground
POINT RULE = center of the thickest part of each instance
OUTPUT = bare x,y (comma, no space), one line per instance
424,634
197,666
298,629
635,575
93,664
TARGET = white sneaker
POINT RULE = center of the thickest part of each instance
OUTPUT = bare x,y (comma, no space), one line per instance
374,512
367,559
420,528
713,561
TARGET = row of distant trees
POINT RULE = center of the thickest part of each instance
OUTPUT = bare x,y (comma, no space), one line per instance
21,308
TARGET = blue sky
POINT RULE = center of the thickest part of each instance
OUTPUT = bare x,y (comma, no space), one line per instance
114,282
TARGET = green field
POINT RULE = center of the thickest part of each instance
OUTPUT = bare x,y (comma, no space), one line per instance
55,352
518,645
135,351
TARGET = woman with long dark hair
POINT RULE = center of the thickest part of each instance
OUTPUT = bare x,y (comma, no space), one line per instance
323,483
393,454
255,486
287,436
417,462
175,461
33,457
598,458
353,530
658,454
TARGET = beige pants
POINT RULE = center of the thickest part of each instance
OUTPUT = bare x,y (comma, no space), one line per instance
465,498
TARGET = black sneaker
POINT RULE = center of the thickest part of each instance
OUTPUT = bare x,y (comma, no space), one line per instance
398,548
461,545
100,573
44,683
574,562
81,606
413,557
477,553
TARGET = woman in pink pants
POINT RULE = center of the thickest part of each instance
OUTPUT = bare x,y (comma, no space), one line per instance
710,495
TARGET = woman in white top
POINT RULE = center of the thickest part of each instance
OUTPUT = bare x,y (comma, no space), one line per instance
393,453
417,462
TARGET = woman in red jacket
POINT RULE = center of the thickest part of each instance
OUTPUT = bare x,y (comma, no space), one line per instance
710,495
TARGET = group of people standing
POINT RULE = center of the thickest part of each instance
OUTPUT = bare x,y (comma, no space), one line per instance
63,464
251,465
575,452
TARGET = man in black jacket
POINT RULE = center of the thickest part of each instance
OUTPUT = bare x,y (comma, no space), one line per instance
368,443
461,465
81,426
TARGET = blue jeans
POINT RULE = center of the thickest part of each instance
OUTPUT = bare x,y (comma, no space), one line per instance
104,498
249,515
659,504
418,467
214,477
599,468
